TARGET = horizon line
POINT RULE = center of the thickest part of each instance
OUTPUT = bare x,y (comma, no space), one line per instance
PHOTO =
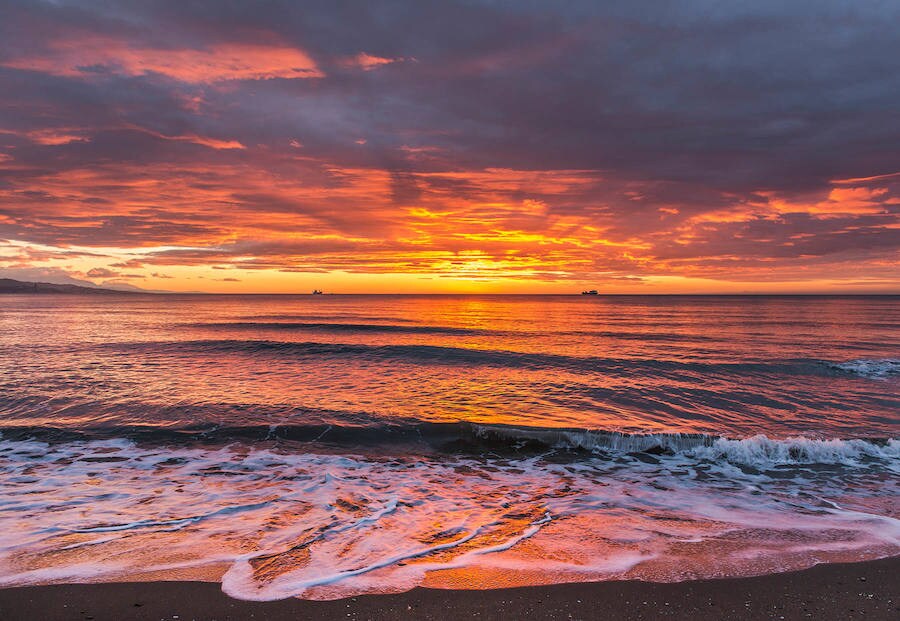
449,294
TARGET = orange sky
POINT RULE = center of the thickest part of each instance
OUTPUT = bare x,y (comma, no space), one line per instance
249,152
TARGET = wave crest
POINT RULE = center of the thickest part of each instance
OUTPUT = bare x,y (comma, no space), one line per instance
365,436
756,451
868,367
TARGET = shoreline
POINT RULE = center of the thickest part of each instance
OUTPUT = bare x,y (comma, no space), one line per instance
867,589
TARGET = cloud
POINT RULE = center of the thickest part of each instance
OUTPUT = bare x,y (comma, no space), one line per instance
461,139
367,62
98,55
55,137
101,272
212,143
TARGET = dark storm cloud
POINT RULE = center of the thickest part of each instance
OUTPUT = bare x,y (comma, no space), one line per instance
777,95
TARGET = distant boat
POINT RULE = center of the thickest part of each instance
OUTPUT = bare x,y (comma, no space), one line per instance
591,292
316,292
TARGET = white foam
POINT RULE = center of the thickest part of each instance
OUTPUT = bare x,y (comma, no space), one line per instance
326,526
879,368
758,451
761,451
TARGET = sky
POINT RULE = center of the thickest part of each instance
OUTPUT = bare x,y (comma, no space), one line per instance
452,147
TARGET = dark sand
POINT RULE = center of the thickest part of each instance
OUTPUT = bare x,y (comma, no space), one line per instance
869,590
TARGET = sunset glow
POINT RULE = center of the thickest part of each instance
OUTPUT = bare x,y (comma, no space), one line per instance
445,149
480,309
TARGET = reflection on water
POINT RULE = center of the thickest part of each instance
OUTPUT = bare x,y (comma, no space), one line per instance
333,445
733,366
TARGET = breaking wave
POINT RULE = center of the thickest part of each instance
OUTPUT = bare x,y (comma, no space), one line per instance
285,523
872,368
758,451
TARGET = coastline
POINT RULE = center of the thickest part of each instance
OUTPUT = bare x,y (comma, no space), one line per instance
868,589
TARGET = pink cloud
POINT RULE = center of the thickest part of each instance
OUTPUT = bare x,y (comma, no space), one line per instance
367,62
231,61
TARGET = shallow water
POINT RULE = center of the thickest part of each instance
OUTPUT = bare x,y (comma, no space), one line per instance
333,445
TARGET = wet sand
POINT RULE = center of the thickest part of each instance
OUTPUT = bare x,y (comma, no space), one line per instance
869,590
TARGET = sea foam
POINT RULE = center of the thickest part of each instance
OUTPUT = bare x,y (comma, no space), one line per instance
758,450
872,368
323,526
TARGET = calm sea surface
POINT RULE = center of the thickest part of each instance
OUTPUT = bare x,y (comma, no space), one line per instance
324,446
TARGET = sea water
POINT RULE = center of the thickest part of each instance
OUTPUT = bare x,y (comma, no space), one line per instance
327,446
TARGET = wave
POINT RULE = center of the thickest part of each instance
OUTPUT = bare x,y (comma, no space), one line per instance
363,435
869,367
327,526
622,335
339,327
757,451
408,327
318,317
437,354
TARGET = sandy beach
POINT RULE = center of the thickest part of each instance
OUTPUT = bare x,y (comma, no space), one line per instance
869,590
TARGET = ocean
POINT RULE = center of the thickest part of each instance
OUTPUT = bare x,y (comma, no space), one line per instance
335,445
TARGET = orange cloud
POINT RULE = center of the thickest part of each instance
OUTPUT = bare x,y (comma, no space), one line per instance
367,62
54,137
840,200
212,143
273,215
856,180
231,61
344,220
856,195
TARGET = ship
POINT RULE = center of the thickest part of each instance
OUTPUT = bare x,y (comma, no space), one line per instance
591,292
316,292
